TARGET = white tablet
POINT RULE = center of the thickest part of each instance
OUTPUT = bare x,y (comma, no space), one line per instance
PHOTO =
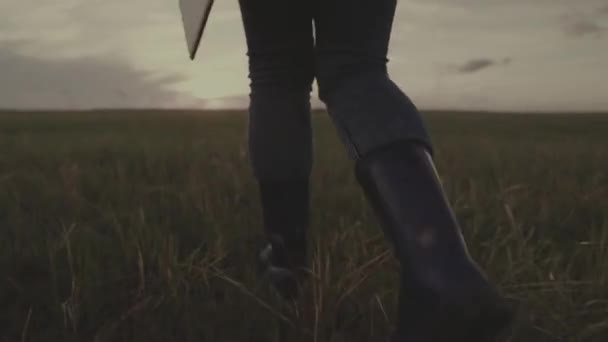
194,17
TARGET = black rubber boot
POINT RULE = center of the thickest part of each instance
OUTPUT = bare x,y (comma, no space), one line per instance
286,211
444,295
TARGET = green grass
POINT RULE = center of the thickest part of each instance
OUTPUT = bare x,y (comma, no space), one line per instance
141,226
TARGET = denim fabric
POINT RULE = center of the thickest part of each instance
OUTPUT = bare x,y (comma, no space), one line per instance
343,44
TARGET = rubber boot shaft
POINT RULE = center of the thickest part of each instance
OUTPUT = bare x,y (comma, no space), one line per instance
444,296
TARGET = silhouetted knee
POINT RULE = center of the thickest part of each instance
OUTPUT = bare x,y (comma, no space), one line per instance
368,108
280,135
337,71
286,70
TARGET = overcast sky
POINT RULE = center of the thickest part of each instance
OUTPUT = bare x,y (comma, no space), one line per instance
463,54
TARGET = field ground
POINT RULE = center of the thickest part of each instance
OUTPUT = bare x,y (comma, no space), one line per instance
141,226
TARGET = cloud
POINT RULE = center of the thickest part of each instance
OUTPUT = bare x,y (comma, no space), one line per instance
84,82
475,65
478,64
583,27
579,24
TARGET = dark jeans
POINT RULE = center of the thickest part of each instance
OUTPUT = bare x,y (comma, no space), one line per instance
341,43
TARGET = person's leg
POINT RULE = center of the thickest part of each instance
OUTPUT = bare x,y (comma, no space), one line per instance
368,108
445,297
279,38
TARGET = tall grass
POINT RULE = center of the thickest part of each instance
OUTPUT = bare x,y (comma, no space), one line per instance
144,226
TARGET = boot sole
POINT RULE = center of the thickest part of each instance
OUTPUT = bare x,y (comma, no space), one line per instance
489,327
483,323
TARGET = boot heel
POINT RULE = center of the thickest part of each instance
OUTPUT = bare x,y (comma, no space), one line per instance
285,277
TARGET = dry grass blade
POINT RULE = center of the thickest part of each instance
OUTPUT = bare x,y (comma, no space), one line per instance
26,325
221,275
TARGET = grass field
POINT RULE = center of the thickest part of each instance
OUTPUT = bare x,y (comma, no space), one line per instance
142,226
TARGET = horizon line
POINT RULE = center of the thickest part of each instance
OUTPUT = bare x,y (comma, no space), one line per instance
315,109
